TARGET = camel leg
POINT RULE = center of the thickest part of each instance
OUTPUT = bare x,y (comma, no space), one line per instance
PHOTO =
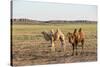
64,45
64,48
76,50
73,49
53,47
82,42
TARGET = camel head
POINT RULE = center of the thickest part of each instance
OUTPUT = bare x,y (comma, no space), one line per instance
46,35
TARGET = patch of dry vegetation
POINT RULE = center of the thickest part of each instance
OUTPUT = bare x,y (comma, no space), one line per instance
30,48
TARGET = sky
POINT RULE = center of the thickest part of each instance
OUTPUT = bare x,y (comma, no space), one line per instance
53,11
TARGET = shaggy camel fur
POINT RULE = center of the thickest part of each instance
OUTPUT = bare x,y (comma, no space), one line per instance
54,36
75,38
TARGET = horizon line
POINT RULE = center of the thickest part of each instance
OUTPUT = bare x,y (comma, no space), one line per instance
56,19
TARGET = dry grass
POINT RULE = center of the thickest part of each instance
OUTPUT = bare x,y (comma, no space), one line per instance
30,48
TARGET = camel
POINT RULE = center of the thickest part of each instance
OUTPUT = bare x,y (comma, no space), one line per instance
75,38
54,36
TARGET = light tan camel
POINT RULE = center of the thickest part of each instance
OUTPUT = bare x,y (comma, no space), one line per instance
75,38
54,36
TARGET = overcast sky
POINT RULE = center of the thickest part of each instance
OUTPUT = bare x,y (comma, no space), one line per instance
53,11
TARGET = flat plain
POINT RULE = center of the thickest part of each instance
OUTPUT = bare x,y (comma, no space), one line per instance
30,48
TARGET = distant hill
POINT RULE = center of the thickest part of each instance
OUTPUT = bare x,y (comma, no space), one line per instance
30,21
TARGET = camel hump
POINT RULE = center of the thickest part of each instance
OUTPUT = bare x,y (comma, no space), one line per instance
52,30
81,33
58,30
80,30
75,30
75,33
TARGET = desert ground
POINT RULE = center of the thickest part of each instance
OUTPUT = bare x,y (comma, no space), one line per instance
30,48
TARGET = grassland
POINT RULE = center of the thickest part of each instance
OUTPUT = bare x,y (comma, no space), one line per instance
30,48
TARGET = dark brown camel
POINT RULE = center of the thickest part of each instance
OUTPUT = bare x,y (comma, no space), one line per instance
75,38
